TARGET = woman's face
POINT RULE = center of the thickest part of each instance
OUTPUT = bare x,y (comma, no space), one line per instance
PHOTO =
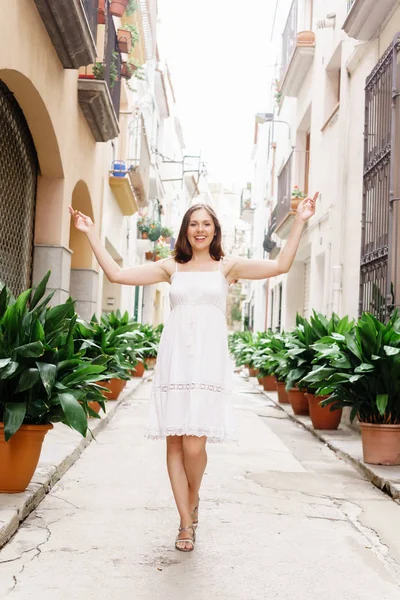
201,229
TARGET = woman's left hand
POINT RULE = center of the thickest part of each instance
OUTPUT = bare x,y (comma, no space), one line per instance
306,208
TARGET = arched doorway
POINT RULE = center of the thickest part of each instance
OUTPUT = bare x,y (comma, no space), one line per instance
18,180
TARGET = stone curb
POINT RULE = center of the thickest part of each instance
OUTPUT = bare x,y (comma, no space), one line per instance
380,480
15,508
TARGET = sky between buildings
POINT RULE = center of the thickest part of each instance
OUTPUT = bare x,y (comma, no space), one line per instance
221,61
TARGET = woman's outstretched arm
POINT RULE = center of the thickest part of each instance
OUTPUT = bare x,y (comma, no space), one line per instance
242,268
139,275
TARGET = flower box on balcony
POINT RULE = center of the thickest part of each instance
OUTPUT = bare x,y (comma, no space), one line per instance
118,7
101,17
124,41
299,64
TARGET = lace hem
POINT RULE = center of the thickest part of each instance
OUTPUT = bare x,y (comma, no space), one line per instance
212,434
183,387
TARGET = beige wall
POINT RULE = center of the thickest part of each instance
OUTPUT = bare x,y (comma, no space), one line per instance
69,157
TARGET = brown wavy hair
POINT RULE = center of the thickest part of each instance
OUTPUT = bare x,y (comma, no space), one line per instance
183,250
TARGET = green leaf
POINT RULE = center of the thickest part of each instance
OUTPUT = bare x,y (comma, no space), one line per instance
32,350
57,314
4,362
85,373
40,290
364,368
27,380
47,373
352,346
382,402
21,301
14,414
74,413
9,370
3,301
391,351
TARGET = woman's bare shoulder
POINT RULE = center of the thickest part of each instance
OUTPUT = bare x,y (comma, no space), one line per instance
168,265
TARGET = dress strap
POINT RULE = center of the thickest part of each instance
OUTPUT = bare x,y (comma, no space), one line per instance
176,266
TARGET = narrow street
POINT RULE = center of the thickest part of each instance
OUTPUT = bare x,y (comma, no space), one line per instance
281,516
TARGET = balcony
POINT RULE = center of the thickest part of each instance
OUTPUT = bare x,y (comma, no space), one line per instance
284,211
367,18
298,49
122,189
99,90
72,27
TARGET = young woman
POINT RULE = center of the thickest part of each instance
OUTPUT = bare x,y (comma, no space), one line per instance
190,401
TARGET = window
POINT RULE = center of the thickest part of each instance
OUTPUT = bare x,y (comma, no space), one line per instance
333,76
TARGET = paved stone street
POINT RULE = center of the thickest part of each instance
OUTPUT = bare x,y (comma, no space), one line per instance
281,516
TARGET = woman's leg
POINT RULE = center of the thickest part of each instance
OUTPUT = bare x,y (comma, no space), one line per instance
195,462
179,482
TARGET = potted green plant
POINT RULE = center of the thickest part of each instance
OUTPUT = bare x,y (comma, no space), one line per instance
124,40
98,70
147,346
106,341
276,364
143,226
161,251
325,331
166,233
297,197
42,380
260,360
362,371
118,7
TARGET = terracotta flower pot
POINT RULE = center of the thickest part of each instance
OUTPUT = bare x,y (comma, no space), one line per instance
19,456
253,372
139,370
306,37
321,416
151,362
269,383
298,402
124,41
118,7
149,255
145,235
95,406
115,386
381,444
100,13
283,397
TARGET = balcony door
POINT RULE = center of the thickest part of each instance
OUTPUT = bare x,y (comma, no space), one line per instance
18,178
380,268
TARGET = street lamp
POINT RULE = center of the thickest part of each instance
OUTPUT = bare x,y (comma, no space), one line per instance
269,118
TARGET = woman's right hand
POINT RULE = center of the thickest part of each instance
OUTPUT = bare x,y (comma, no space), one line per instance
81,221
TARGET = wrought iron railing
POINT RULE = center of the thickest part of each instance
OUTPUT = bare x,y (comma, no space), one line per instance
289,37
91,7
112,64
379,277
284,191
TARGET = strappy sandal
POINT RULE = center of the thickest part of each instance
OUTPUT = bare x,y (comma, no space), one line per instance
191,540
195,514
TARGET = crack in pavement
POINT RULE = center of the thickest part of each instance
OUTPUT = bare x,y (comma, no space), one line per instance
36,548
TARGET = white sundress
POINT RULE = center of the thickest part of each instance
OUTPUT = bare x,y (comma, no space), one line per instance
192,386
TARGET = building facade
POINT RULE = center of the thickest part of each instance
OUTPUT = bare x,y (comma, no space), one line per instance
86,112
332,128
